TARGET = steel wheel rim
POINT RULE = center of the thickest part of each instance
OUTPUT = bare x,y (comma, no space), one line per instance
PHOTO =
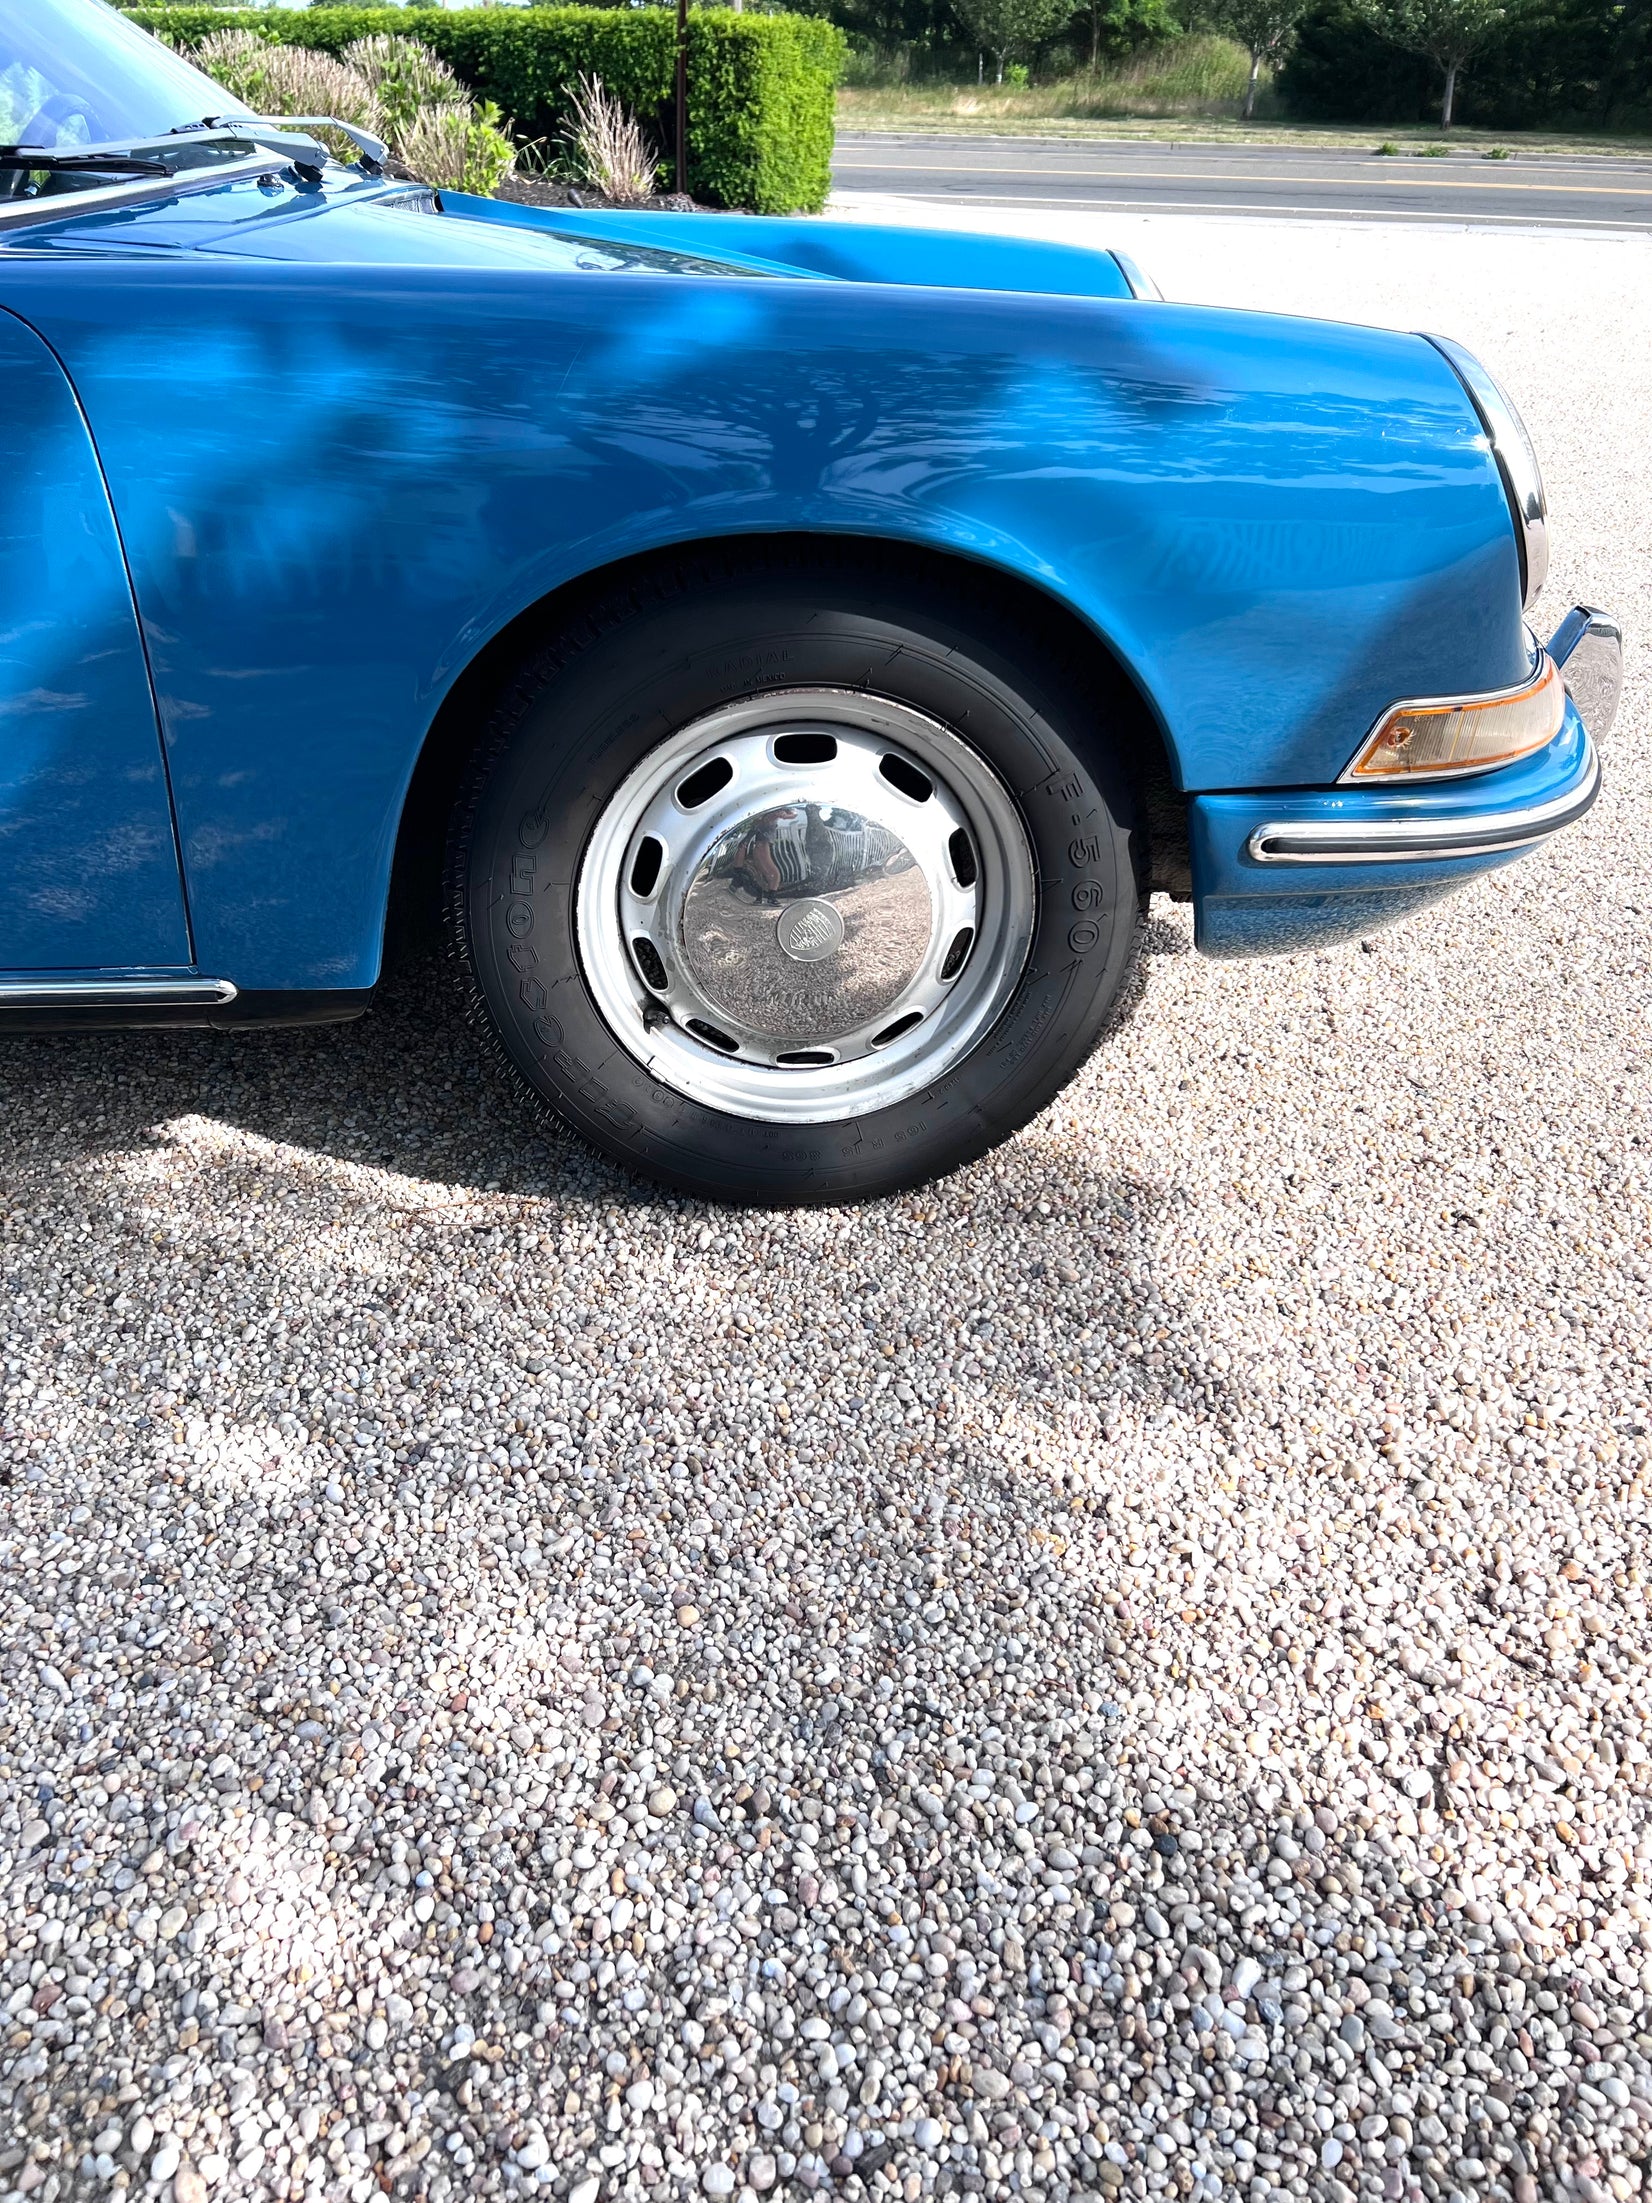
805,906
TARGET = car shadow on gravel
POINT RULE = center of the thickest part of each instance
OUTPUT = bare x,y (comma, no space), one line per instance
1062,1321
1062,1337
400,1088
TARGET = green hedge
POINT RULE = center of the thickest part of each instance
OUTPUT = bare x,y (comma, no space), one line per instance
760,87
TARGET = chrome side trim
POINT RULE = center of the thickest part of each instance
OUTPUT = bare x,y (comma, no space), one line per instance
1403,840
1141,284
1512,448
1588,648
91,994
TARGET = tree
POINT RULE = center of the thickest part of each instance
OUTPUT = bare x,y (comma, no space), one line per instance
1448,31
926,31
1006,27
1265,29
1122,26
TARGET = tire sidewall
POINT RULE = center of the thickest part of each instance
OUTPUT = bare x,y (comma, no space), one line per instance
574,729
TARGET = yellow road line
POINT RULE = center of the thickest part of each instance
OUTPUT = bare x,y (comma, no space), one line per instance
1212,175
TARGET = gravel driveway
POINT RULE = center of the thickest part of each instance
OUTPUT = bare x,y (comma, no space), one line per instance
1124,1674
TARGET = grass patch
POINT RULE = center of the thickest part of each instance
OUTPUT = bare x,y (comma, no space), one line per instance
1200,75
1057,111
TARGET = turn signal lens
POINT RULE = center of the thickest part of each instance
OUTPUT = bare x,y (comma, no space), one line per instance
1443,735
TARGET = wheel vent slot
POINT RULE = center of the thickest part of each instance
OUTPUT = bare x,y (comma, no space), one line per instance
645,866
801,1058
894,1032
962,852
701,786
804,749
906,777
713,1036
957,956
649,964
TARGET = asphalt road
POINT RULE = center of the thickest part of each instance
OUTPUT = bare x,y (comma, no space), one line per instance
1591,192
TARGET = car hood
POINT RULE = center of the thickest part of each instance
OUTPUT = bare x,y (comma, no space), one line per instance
348,220
920,259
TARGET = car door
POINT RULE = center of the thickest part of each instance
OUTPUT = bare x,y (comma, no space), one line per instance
89,875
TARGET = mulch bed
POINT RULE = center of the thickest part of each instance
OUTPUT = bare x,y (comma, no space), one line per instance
539,191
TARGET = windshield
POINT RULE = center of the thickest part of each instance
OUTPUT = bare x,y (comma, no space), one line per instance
73,72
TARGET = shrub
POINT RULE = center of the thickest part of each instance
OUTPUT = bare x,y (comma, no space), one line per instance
392,86
295,80
607,146
292,80
760,87
239,62
458,148
406,78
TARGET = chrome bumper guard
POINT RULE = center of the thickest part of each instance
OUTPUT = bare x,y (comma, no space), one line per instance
1587,646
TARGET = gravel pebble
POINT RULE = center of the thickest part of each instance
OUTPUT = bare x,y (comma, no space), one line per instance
1121,1674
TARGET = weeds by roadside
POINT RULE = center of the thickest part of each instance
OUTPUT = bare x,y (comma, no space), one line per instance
965,111
1204,75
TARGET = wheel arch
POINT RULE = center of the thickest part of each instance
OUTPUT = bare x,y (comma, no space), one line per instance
413,914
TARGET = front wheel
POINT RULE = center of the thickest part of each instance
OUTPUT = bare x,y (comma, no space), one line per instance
796,882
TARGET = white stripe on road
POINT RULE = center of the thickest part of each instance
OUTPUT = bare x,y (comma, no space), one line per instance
1268,206
1215,175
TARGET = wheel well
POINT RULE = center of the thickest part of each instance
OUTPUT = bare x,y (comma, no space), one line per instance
414,916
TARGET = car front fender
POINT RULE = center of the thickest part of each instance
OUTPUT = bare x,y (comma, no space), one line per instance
336,484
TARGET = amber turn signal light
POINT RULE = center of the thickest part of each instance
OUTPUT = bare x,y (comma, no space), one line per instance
1463,734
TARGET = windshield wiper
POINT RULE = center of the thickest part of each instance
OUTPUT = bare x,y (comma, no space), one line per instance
283,135
73,164
374,152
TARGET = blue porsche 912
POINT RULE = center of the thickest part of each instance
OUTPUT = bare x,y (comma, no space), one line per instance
790,653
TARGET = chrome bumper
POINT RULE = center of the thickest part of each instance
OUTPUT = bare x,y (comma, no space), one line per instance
1403,840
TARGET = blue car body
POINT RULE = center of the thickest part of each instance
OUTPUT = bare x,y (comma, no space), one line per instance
282,457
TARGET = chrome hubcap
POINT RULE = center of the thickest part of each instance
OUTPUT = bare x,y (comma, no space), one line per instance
805,906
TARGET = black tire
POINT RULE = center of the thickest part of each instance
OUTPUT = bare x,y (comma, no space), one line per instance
709,630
